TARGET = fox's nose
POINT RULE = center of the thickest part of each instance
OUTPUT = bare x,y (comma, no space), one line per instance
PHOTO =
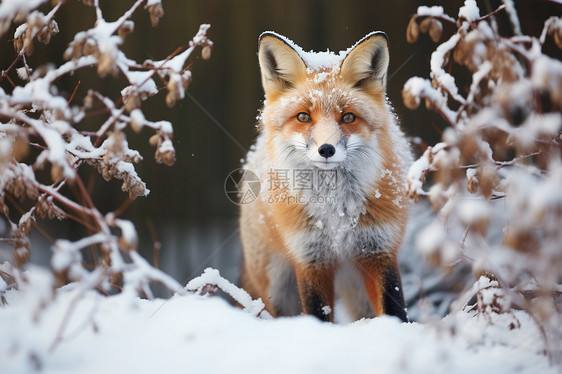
327,150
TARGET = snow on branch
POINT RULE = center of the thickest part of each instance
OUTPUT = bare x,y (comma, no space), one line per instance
211,279
497,168
15,11
34,114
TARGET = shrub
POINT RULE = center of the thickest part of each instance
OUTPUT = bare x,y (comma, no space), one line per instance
41,129
499,162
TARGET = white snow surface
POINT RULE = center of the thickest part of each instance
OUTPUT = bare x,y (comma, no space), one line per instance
204,334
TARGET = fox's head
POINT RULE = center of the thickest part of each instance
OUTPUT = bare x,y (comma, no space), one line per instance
322,109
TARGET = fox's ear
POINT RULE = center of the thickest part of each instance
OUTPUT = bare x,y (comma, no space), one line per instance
281,66
365,66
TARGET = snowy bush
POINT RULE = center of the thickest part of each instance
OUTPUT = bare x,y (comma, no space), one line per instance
499,163
40,130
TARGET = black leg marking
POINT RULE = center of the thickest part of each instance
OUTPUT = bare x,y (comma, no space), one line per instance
314,305
393,299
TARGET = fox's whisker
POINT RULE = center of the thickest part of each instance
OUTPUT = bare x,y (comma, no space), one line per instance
288,152
361,150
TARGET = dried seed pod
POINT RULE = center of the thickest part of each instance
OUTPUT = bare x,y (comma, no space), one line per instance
544,308
435,30
506,67
437,197
165,153
89,47
25,226
460,51
447,165
206,52
45,34
56,172
131,98
20,148
473,49
4,207
410,101
557,34
170,99
553,27
68,53
21,252
82,45
154,139
472,181
89,100
137,120
488,180
468,144
31,192
125,29
106,172
186,79
521,239
137,189
424,25
17,187
34,25
45,208
21,246
107,63
175,89
19,37
412,31
156,12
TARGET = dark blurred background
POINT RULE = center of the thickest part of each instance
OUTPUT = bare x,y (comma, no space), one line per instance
187,210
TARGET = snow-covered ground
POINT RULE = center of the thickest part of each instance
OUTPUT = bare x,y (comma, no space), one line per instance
204,334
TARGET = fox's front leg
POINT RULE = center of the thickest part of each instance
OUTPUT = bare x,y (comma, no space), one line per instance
384,287
316,290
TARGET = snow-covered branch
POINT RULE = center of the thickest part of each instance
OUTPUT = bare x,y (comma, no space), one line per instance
34,114
211,279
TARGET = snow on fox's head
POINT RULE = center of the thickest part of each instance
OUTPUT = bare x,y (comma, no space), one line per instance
323,109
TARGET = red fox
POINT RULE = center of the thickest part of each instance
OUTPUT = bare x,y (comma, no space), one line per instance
332,162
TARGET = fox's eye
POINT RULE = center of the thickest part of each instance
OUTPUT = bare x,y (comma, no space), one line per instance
303,117
347,118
